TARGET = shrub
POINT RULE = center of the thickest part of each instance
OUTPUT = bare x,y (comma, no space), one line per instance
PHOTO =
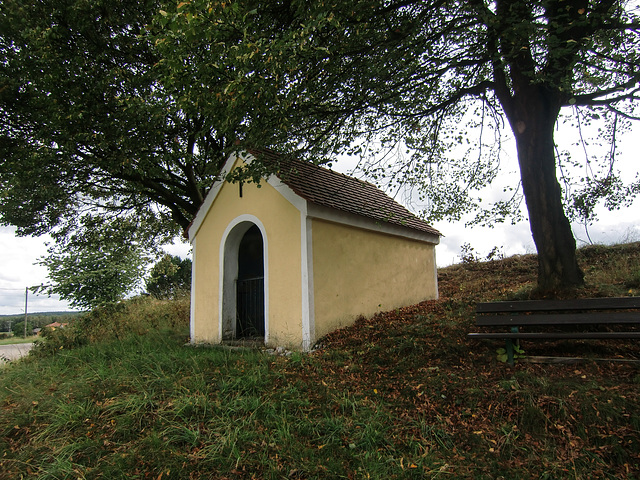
133,317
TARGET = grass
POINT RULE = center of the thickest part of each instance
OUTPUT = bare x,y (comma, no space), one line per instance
15,340
401,395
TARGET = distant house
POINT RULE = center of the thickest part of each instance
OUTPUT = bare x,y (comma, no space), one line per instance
306,252
55,325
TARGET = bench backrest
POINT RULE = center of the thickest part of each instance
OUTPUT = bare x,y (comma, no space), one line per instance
549,312
608,303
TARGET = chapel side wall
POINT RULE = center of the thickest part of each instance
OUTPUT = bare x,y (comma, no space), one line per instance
361,272
281,221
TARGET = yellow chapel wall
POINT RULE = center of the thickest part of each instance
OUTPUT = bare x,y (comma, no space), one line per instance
282,224
362,272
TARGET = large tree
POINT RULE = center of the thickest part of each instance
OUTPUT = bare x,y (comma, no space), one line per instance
85,126
93,147
329,77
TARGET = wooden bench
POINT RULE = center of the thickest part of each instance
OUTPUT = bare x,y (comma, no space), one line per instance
574,319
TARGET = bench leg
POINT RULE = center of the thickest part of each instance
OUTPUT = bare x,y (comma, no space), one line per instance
510,358
510,351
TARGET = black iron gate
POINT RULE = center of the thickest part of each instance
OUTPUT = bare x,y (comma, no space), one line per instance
250,307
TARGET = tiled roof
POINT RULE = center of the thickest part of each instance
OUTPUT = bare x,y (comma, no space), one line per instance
335,190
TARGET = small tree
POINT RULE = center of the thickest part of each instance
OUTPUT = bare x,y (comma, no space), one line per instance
97,262
18,329
170,277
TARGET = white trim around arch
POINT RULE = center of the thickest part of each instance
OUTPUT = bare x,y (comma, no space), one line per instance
229,269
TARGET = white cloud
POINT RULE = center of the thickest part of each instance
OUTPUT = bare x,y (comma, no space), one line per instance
17,258
179,248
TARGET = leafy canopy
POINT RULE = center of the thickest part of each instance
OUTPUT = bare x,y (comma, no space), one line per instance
89,134
87,125
403,84
128,109
368,77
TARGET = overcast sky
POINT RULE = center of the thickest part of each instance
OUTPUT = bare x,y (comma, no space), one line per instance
19,255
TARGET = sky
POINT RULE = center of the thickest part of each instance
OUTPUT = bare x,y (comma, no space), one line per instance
18,255
18,259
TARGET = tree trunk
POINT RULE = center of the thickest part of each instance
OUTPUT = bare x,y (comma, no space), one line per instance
532,120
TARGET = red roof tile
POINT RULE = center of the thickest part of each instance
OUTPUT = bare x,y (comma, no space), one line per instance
327,188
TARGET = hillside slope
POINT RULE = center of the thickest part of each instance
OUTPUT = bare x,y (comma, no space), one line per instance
401,395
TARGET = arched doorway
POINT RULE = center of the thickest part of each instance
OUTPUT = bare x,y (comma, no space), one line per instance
244,283
250,286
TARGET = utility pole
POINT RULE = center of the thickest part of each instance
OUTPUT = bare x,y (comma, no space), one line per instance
26,296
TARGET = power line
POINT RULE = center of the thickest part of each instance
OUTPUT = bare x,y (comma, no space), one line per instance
9,298
21,290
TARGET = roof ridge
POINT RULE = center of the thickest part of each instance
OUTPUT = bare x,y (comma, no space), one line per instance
324,190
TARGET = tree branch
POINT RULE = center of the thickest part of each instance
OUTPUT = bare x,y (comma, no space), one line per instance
593,98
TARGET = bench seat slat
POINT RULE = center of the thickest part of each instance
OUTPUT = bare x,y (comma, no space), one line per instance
556,335
592,318
551,305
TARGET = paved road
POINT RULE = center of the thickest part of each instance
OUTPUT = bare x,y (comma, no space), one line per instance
12,352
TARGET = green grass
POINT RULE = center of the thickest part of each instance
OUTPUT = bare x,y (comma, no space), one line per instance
402,395
14,340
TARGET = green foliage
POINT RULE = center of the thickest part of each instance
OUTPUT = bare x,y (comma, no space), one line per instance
169,278
85,119
503,357
38,319
98,263
19,330
410,79
131,107
94,148
402,85
634,279
131,318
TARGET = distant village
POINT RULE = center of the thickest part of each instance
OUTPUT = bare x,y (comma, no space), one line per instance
13,325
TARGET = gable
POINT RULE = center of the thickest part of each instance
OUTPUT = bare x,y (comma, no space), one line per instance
211,197
322,193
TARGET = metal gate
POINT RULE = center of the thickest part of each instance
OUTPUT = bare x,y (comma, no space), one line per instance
250,307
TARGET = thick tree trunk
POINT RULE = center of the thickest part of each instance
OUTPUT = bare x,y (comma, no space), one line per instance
532,120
